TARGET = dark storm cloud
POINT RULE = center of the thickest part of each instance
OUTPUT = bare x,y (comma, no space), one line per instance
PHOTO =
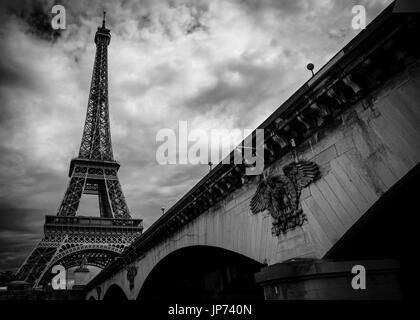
160,75
21,220
285,7
172,184
36,14
20,230
6,113
226,89
195,23
39,22
216,64
12,75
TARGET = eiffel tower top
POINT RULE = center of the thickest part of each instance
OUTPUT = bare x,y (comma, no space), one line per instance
96,139
103,31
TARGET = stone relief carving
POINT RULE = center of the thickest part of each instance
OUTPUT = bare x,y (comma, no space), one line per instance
279,195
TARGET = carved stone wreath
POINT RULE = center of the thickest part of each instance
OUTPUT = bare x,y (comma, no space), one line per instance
279,195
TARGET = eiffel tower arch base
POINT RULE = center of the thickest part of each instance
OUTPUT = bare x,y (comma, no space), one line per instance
69,240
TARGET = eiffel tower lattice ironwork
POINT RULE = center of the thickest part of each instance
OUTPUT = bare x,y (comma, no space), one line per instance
70,239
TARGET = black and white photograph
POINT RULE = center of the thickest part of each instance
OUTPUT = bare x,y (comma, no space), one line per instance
209,156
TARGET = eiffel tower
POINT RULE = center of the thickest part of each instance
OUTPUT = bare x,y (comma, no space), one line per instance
70,239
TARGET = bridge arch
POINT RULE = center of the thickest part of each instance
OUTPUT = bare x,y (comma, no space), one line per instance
115,293
73,257
202,272
86,247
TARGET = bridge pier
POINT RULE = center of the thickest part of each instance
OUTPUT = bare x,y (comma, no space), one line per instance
329,280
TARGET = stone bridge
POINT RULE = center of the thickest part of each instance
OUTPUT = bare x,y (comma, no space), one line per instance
358,120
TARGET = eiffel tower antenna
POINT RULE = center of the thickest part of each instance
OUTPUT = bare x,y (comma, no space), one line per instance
97,240
103,20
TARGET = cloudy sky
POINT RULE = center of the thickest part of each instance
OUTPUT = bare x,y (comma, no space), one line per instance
216,64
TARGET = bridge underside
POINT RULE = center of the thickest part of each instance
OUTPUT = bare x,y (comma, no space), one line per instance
202,273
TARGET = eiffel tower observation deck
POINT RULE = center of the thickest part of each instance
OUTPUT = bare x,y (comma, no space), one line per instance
70,240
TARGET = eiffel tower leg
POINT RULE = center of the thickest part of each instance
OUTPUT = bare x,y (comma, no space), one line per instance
116,197
38,260
104,205
48,264
72,196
